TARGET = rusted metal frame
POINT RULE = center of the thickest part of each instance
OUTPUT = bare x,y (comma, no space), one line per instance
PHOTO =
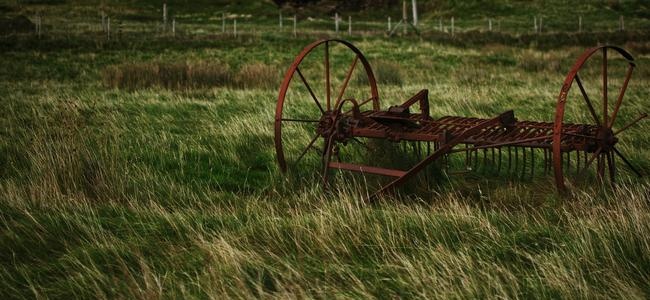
443,150
422,97
366,169
511,143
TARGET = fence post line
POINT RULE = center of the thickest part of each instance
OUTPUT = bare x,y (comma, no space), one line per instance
389,24
295,33
349,25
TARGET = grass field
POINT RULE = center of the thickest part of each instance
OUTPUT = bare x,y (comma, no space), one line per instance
145,168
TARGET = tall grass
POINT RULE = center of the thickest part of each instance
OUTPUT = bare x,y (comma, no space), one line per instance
183,75
160,192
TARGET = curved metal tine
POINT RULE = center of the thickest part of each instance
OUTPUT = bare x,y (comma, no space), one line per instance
612,168
304,151
532,162
605,86
588,163
327,74
311,92
627,162
639,118
347,78
612,119
584,96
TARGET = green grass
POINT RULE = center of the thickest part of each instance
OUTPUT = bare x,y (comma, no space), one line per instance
152,192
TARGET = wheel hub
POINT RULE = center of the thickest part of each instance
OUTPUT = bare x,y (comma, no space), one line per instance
606,139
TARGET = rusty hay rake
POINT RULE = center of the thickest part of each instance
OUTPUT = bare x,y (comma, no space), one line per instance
571,150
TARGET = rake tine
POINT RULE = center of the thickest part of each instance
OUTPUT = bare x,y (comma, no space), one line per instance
493,162
499,164
475,159
468,158
523,163
532,162
516,160
509,159
484,158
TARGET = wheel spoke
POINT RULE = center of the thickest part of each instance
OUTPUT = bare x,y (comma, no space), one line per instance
311,143
347,78
584,95
588,163
620,95
605,86
327,74
311,92
612,167
639,118
300,120
627,162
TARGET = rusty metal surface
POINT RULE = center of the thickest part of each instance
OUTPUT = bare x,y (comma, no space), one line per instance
557,141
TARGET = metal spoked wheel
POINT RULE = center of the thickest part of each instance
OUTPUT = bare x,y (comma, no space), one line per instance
311,97
603,122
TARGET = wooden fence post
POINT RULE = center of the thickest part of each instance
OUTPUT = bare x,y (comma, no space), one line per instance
108,28
349,25
174,27
280,18
295,33
622,23
223,22
336,22
415,12
580,24
452,26
389,24
234,27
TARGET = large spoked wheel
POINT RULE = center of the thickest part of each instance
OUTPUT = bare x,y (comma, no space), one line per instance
311,96
600,113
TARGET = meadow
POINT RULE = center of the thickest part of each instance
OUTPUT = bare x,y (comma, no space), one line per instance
144,167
